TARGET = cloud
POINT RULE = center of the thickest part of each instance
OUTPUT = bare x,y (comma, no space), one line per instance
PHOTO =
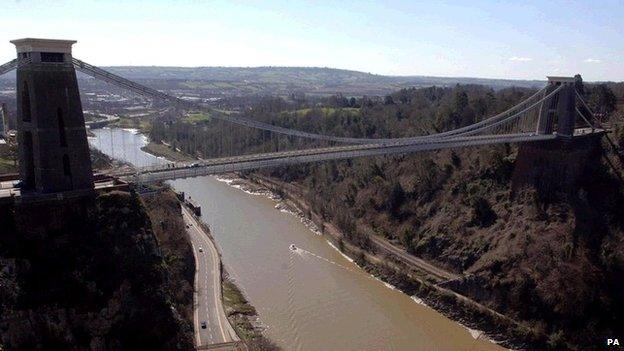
520,59
592,60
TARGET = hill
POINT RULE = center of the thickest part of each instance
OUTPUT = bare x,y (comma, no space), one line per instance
307,79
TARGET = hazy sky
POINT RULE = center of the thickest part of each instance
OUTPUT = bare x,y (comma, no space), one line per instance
520,39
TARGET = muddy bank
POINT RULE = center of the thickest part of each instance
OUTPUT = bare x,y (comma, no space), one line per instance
165,151
244,318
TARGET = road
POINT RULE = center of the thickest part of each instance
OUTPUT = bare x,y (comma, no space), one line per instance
410,259
208,305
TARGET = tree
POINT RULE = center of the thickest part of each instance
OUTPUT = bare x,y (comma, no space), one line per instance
407,238
396,200
602,100
352,102
483,215
460,101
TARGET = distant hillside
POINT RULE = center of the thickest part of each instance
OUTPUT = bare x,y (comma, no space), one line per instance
304,79
298,74
286,80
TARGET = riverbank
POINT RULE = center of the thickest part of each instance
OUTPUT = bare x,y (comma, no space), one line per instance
422,286
165,151
143,125
241,314
244,318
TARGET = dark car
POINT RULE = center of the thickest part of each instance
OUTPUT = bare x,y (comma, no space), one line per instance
203,325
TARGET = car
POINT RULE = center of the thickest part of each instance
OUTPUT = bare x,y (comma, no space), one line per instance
203,324
200,249
187,226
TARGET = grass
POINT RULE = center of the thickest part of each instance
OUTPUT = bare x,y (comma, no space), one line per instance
7,166
238,311
142,125
167,152
328,111
235,300
197,117
193,84
237,308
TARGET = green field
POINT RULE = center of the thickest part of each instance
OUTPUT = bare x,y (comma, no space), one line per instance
7,166
197,117
326,111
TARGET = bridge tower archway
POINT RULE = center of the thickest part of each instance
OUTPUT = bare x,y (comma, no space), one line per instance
557,115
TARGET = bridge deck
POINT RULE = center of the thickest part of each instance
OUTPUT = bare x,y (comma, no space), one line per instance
256,161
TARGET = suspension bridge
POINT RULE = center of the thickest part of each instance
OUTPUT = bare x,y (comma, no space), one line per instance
555,111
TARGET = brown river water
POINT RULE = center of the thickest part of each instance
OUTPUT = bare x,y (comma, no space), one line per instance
312,298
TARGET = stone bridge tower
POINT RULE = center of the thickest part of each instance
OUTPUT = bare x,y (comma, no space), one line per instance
558,113
53,148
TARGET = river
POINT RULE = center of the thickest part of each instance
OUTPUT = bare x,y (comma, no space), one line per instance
309,299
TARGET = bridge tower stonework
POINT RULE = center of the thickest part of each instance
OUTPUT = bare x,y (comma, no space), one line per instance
53,147
558,113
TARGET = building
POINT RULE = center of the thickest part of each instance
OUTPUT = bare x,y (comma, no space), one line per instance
53,148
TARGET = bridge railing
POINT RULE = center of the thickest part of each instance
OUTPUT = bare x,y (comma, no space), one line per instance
11,65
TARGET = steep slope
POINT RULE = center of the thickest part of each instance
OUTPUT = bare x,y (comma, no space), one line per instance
85,274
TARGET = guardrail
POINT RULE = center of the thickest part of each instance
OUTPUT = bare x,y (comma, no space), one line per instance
8,66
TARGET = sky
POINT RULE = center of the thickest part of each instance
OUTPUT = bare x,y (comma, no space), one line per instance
489,39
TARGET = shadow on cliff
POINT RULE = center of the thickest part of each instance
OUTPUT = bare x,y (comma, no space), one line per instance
87,274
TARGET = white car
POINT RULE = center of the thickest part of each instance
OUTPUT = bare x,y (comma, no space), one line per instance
200,249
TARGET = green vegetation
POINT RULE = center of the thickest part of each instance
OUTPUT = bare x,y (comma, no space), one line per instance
143,125
167,152
285,80
325,112
197,117
240,313
7,166
8,157
89,117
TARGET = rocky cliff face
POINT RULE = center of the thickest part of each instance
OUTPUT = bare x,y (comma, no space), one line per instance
85,274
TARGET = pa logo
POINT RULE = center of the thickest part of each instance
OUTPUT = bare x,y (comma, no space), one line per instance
613,342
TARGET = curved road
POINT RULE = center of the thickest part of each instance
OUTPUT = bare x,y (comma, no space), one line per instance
208,305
